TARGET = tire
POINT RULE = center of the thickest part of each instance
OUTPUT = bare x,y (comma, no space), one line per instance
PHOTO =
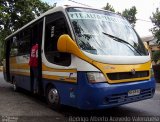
53,98
15,87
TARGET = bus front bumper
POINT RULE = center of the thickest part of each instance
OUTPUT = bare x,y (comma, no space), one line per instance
104,95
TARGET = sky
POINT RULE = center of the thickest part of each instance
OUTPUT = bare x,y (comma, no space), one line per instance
145,8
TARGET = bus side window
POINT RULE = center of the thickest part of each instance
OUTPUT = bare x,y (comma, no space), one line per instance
24,42
14,46
54,30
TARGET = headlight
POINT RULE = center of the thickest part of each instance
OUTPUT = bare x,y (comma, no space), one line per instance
95,77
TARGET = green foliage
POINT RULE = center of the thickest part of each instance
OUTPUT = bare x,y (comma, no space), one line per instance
156,56
16,13
130,15
156,21
109,7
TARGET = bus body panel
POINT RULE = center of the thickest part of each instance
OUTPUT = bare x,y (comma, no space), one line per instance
105,95
20,72
22,81
111,69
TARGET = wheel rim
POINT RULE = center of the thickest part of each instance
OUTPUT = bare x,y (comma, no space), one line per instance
53,96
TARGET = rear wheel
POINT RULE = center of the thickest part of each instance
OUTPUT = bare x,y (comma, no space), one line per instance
15,87
53,98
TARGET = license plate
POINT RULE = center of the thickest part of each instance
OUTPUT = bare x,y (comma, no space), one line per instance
134,92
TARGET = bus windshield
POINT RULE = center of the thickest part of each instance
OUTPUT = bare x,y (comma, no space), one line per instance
104,33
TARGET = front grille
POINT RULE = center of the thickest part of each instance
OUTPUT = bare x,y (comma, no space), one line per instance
124,98
127,75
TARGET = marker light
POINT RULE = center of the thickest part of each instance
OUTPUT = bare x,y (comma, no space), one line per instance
95,77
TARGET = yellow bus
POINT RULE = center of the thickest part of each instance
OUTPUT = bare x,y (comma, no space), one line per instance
87,58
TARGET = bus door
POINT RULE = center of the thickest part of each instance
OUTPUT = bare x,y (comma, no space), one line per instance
37,38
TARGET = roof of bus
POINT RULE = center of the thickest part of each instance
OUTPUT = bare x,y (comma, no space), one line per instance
59,8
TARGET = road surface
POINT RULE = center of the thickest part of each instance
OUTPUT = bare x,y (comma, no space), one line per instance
23,107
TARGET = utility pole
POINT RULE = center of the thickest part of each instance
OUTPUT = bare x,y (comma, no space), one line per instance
79,3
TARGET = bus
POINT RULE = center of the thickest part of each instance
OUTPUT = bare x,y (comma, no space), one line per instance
87,58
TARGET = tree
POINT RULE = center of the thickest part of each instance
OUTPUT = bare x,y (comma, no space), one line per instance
16,13
130,15
156,56
109,7
156,21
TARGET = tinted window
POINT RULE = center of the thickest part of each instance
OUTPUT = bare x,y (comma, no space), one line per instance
24,42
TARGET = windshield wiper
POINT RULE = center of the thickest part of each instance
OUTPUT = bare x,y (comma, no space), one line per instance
122,41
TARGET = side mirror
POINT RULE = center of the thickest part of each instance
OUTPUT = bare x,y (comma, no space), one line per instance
146,45
66,44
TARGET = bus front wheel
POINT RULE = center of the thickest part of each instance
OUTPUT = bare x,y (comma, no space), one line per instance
53,98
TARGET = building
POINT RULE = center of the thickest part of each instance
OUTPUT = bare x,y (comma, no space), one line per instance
153,45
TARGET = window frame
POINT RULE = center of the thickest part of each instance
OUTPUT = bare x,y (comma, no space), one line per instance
24,39
49,19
